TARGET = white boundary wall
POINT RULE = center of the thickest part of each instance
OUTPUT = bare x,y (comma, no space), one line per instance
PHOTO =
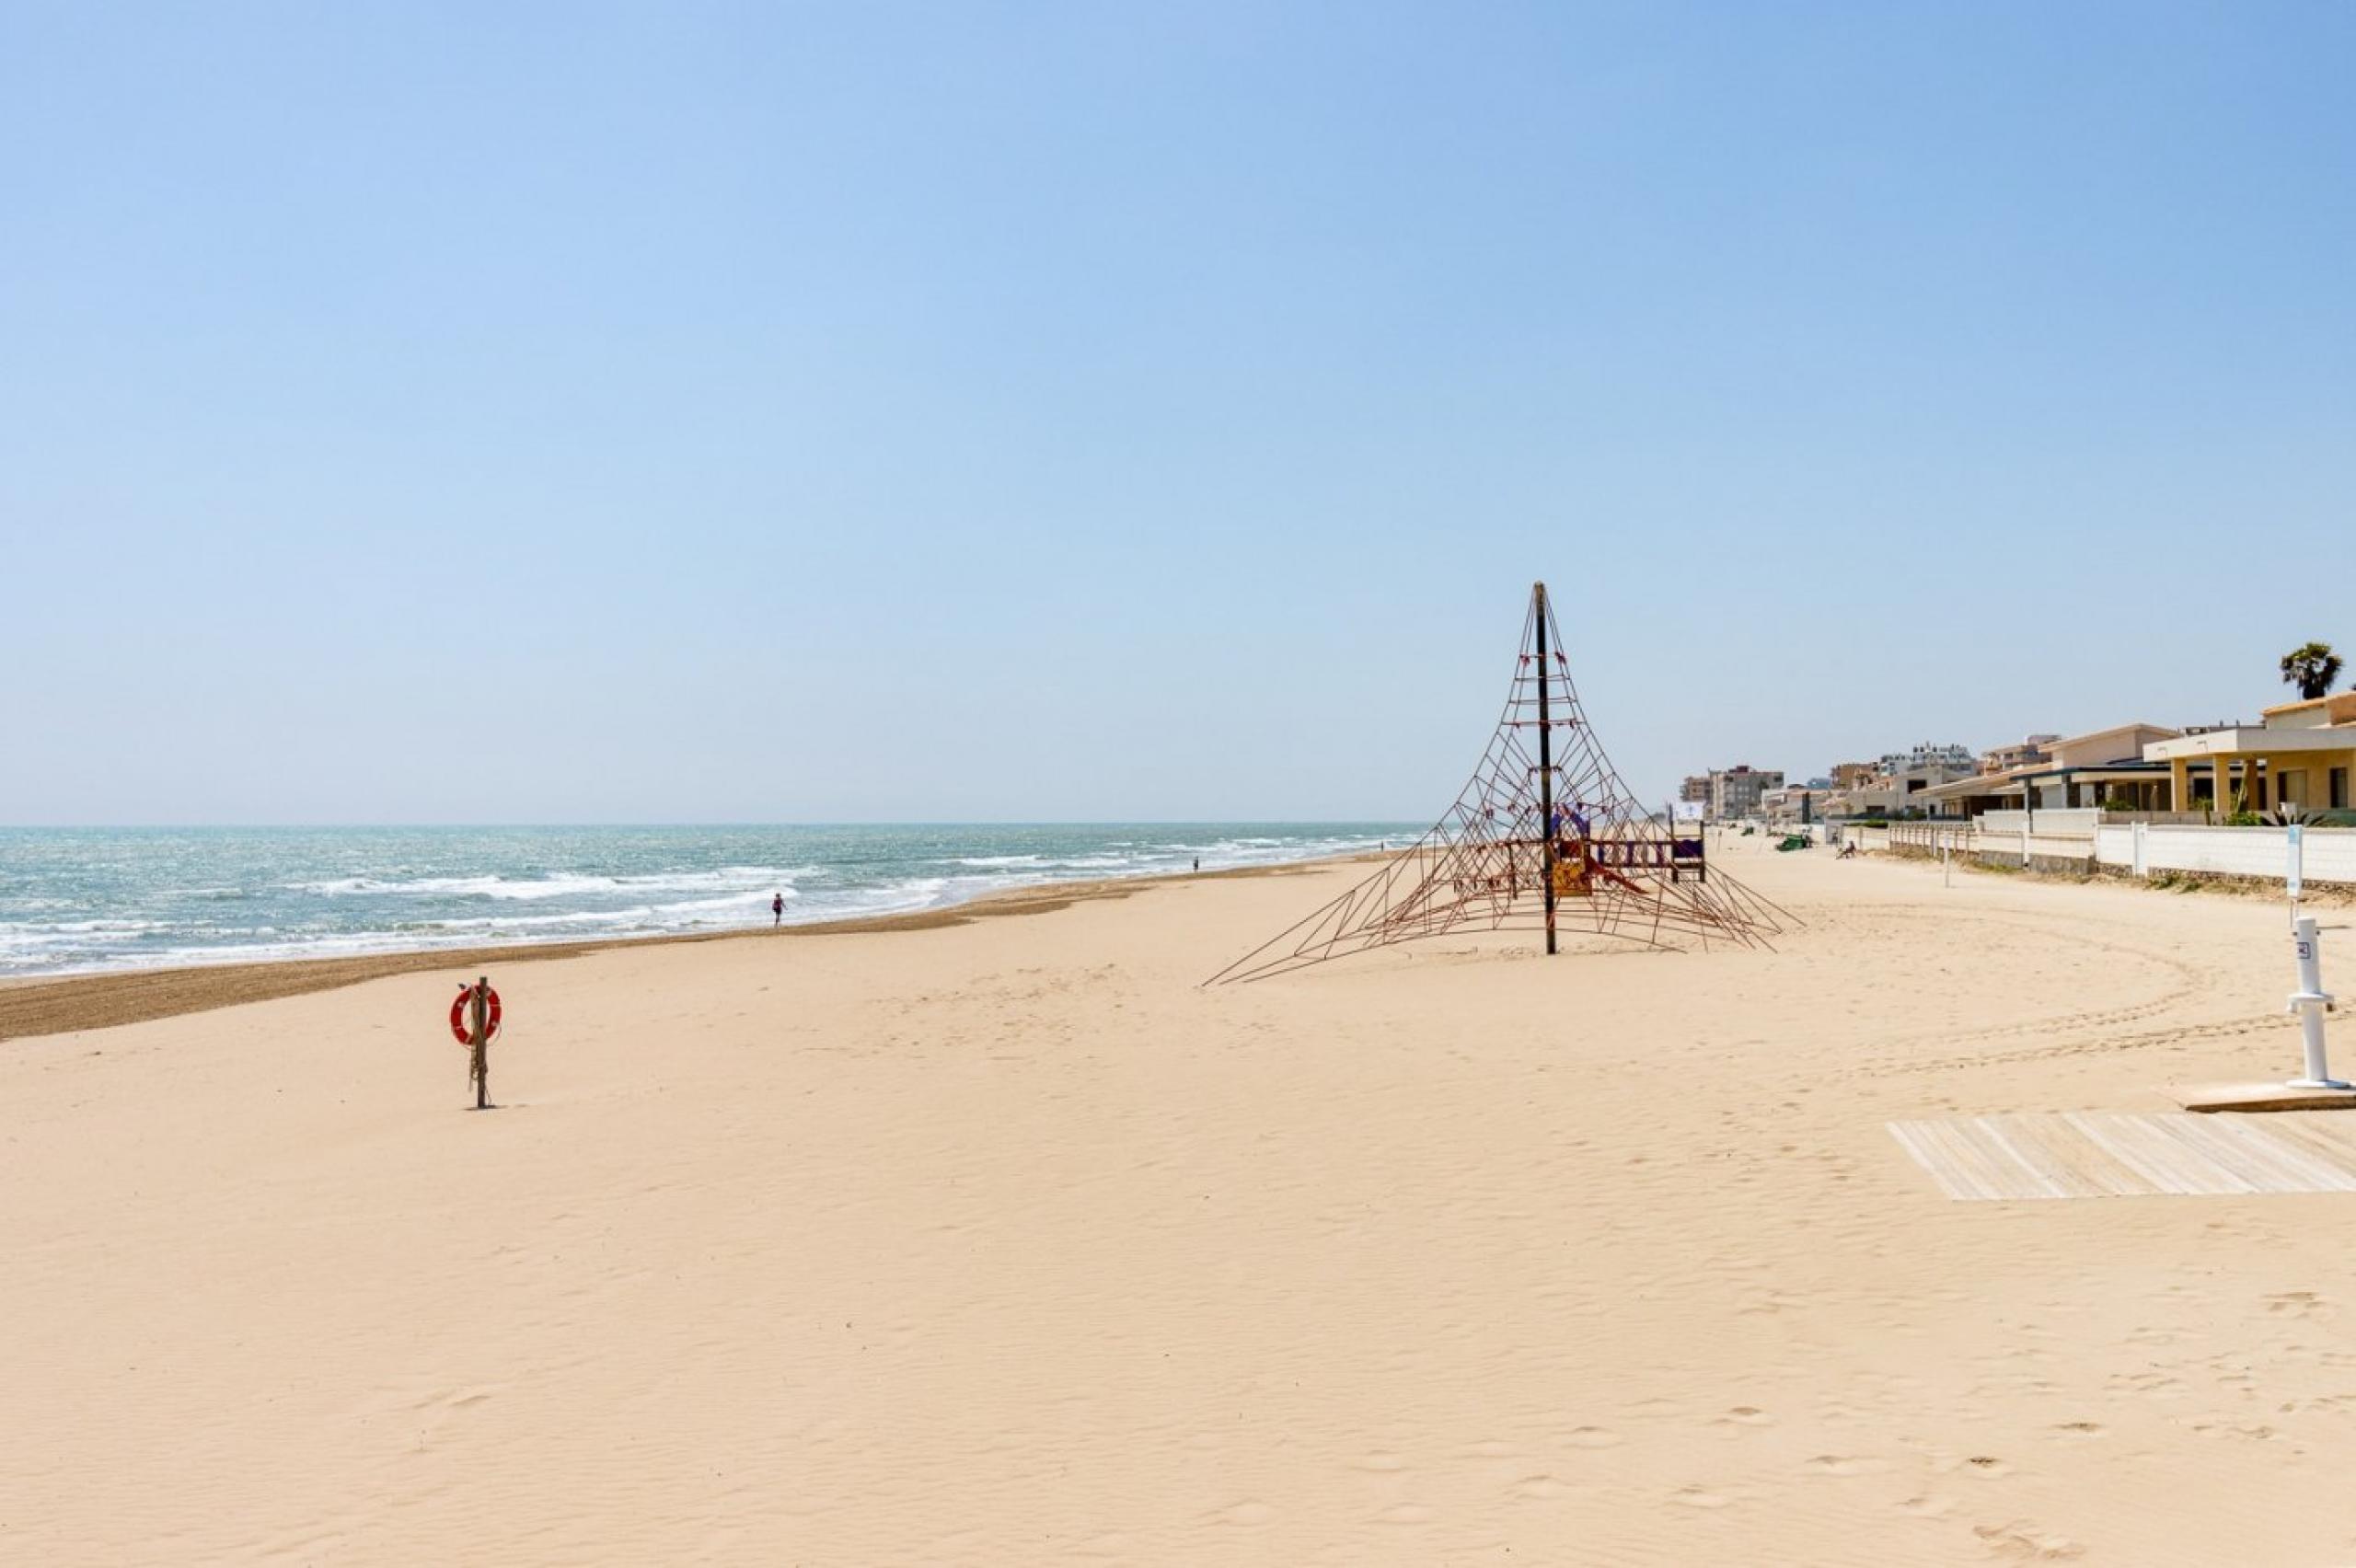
2078,822
2327,854
2045,845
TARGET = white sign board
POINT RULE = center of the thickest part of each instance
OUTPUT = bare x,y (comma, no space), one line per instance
1688,811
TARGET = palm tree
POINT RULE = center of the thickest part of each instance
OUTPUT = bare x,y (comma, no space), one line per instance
2312,668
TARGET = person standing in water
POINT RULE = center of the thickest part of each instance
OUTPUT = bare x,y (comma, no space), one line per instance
1198,862
777,910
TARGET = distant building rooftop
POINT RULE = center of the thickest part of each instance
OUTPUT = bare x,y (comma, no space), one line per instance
2340,708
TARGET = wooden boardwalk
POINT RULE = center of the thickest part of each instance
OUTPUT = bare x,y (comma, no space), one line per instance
2112,1154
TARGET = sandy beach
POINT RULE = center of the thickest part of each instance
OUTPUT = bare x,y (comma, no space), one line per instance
1002,1241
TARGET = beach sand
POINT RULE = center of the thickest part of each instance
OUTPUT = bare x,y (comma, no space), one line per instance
1001,1241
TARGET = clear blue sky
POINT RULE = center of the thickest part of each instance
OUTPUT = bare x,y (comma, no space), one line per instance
688,412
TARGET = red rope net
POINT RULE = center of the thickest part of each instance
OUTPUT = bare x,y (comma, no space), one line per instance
1617,871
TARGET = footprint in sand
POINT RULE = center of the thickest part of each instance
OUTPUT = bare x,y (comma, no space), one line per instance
2330,1404
2026,1542
1538,1489
2080,1429
2154,1385
1839,1464
1744,1415
1699,1497
1593,1437
1929,1507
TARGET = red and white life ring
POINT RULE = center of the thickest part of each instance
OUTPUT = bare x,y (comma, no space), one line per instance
459,1013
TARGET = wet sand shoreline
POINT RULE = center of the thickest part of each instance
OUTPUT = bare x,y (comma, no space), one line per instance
36,1005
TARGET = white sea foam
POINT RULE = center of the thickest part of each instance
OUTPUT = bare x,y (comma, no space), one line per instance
559,886
98,903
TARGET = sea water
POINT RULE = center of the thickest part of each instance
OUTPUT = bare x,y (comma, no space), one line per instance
89,899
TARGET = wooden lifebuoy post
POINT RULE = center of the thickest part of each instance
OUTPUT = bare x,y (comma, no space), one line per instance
474,1019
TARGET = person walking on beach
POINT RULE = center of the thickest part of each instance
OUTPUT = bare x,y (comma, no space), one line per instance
1198,862
777,910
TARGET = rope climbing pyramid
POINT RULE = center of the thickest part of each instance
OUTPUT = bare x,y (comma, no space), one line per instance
1544,836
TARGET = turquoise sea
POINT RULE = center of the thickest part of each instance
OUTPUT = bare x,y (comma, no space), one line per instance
84,899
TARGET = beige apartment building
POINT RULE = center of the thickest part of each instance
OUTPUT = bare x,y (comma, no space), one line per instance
1740,792
2300,753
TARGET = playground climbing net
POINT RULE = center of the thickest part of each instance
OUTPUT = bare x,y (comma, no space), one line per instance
1544,836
